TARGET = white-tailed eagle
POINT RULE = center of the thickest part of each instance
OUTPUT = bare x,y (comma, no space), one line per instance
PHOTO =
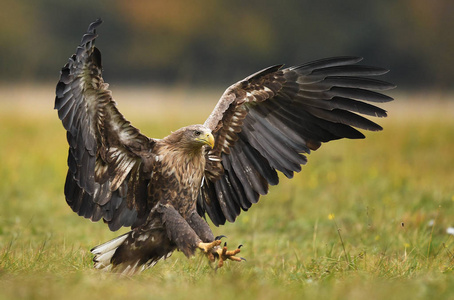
163,188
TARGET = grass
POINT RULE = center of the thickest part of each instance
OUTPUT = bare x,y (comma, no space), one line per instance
364,219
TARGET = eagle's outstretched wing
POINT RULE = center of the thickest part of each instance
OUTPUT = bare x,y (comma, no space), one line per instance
107,156
265,122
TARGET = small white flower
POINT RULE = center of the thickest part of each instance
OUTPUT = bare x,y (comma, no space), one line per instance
450,230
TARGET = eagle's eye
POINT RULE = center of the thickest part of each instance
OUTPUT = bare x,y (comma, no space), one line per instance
197,133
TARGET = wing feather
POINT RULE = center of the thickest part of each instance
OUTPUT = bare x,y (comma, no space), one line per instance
228,205
106,154
238,189
266,122
249,192
244,169
260,163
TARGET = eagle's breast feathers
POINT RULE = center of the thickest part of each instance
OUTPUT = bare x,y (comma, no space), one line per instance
177,175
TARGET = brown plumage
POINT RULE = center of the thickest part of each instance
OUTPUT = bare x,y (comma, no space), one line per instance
162,188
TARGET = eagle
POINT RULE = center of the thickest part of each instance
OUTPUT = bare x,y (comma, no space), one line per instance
165,189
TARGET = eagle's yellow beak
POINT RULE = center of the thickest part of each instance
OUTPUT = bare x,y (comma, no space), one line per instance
207,139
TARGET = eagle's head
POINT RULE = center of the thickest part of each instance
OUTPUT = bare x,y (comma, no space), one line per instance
192,137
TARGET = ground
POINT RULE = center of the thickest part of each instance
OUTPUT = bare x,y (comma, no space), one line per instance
364,219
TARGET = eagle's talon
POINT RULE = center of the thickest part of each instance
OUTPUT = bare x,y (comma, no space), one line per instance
223,254
219,237
207,247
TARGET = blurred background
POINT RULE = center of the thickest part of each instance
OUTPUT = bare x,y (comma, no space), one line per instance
213,42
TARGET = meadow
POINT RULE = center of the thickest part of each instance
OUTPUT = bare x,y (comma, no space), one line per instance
364,219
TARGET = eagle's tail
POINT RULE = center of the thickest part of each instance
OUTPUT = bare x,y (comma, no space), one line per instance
133,252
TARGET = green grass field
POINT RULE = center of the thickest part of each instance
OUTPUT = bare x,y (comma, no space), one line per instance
364,219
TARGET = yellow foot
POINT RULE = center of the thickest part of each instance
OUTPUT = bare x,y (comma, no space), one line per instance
208,248
223,254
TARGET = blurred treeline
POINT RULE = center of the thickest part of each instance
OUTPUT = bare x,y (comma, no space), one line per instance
217,42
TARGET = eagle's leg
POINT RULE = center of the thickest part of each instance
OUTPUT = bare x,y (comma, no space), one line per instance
178,230
200,227
187,240
210,245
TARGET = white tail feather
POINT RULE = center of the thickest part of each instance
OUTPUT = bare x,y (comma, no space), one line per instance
132,252
104,252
